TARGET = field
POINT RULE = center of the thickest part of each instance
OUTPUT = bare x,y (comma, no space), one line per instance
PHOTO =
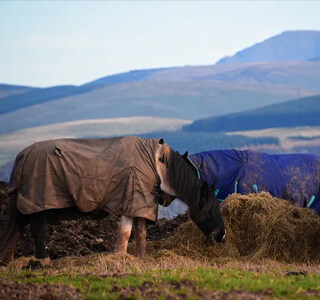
15,141
289,138
179,264
166,276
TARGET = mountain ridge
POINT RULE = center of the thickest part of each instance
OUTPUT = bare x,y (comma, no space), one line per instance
292,45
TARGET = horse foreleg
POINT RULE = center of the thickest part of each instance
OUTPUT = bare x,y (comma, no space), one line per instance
124,231
37,226
140,235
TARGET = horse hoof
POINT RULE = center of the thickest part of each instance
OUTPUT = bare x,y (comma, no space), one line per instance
38,264
33,265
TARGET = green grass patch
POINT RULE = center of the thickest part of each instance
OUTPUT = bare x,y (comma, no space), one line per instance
171,282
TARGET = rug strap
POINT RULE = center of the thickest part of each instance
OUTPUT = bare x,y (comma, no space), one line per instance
311,201
198,173
236,187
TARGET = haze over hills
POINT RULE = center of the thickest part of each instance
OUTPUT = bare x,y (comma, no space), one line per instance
301,45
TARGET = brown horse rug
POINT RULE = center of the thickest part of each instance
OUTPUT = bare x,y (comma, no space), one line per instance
114,174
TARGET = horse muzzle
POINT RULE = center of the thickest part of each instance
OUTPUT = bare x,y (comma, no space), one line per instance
218,235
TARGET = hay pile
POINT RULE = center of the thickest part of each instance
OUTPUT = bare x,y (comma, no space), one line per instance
189,241
258,226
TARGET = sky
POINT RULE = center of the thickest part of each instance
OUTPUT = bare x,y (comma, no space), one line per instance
47,43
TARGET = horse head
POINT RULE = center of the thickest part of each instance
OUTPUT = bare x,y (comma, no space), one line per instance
179,177
207,215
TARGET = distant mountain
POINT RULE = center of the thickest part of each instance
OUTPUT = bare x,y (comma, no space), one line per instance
222,88
9,90
132,76
299,45
299,112
183,99
317,58
299,74
30,97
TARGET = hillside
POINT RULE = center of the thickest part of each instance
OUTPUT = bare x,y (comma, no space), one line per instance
7,90
183,99
299,112
300,45
132,76
16,141
299,74
30,97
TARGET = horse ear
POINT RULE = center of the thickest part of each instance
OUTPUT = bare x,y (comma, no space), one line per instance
185,155
213,186
161,142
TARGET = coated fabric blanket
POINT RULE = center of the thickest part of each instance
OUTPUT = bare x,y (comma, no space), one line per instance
294,177
114,174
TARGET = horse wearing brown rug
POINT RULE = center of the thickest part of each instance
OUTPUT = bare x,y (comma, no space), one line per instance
68,178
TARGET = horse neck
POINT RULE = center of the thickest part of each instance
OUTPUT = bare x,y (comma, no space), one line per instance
180,179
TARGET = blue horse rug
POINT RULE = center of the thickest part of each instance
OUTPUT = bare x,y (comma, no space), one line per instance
294,177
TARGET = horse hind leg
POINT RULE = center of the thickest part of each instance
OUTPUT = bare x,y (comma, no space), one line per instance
14,226
140,235
124,232
37,226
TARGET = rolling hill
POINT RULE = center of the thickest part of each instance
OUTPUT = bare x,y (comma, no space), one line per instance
34,96
299,74
299,112
7,90
16,141
301,45
183,99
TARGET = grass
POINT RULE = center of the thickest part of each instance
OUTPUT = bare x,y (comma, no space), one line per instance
265,279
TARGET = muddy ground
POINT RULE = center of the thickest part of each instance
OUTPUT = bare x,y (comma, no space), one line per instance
84,236
15,290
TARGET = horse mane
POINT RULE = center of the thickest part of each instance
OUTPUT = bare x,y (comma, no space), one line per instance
183,180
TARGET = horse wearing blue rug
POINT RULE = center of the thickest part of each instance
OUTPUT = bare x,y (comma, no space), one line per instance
294,177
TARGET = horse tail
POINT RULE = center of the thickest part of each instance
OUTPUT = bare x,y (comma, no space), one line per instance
14,226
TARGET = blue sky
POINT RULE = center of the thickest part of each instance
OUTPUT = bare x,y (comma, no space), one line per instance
46,43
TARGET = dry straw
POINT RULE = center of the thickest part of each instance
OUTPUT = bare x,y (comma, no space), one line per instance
258,226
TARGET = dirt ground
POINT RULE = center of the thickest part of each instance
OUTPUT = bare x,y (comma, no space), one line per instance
14,290
84,236
184,290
